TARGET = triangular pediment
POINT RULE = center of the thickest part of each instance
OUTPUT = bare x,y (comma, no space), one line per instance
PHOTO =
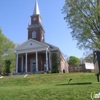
31,44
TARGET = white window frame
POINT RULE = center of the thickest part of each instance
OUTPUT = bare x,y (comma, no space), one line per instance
34,34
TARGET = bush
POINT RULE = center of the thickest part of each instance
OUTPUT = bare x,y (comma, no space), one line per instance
7,67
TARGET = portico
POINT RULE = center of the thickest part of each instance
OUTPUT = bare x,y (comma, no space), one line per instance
33,60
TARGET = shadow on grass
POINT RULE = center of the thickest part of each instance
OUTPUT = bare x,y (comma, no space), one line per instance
83,83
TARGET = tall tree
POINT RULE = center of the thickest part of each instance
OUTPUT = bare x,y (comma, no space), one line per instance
7,67
74,60
2,39
83,17
7,48
55,62
89,58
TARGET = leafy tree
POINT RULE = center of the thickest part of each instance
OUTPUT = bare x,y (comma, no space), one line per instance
2,39
89,58
7,48
1,48
74,61
55,62
7,66
83,17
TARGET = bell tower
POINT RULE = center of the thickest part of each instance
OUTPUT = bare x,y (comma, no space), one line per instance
35,30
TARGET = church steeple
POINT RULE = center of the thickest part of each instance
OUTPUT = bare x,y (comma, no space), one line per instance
36,30
36,8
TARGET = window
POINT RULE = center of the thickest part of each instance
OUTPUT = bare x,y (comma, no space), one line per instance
42,36
33,34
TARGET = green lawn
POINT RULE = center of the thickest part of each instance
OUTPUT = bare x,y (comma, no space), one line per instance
49,87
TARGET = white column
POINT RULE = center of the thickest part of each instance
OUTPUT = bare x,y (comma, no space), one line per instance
22,63
26,64
16,63
50,60
46,60
36,61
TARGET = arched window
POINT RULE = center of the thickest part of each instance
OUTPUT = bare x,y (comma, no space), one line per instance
33,34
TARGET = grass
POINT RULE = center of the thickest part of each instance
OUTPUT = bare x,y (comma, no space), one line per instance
49,87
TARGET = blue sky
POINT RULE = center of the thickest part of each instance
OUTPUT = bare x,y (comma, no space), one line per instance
15,17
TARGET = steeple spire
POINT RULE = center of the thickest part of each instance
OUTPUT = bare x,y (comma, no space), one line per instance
36,9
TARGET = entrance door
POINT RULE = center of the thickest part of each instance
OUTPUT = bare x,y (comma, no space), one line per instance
33,66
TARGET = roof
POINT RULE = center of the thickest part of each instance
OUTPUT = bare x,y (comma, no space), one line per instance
51,46
31,43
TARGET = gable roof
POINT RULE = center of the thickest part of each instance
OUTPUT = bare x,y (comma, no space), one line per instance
51,46
31,43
